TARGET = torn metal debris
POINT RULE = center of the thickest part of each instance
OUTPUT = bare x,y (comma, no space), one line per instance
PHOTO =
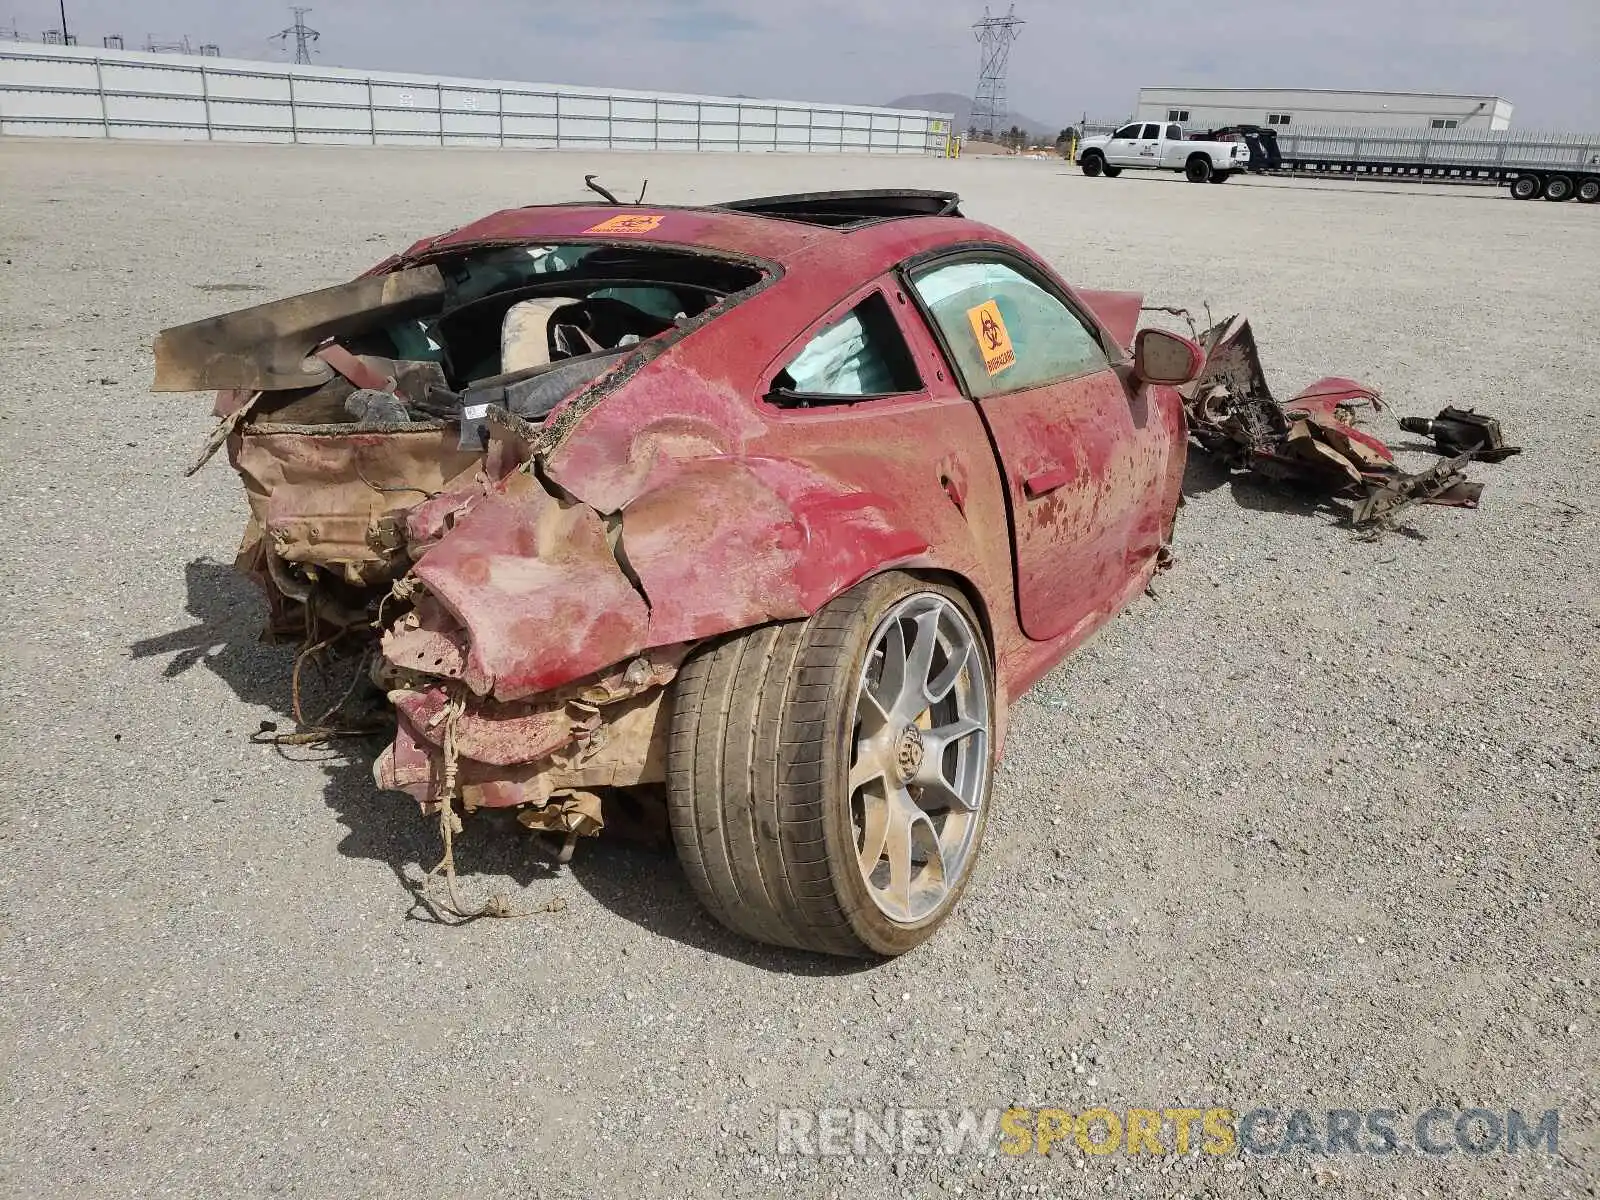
1313,440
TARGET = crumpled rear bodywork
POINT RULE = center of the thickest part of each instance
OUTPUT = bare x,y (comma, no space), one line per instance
344,524
522,595
552,618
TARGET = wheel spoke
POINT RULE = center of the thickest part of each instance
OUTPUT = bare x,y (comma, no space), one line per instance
874,717
898,846
937,790
885,694
874,832
939,687
935,867
938,793
913,698
869,766
938,739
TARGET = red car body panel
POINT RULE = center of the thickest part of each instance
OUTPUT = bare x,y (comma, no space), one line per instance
670,501
735,512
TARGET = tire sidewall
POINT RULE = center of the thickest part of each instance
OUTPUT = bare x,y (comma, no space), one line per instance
876,930
1092,164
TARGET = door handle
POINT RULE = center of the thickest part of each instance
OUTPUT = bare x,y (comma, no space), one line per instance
1041,483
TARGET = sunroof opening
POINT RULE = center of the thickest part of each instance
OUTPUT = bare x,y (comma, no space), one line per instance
843,209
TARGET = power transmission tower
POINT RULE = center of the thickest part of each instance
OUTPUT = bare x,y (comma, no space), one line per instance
304,35
995,35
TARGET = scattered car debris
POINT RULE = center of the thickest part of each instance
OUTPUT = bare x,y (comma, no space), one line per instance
1312,439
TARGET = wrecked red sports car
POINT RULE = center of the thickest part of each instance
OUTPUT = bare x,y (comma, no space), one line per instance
771,506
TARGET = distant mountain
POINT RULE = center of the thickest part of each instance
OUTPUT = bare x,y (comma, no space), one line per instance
962,107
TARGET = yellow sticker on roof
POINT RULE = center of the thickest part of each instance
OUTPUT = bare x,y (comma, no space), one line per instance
629,223
994,343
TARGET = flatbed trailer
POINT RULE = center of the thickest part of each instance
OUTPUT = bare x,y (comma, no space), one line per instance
1556,167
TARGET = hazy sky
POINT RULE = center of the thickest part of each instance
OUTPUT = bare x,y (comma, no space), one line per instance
1540,54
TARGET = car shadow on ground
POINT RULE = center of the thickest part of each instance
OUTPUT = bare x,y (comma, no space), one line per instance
630,870
1203,475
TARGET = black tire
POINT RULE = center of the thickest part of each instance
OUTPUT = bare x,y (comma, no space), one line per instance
1525,187
1112,172
1558,188
1092,163
1588,190
760,748
1198,169
1221,176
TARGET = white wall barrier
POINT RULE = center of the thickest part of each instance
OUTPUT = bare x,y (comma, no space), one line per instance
73,91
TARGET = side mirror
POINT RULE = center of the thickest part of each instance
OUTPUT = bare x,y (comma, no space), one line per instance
1162,357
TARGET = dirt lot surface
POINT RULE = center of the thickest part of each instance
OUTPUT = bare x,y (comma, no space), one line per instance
1315,829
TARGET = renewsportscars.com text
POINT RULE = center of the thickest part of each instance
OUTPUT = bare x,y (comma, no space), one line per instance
1214,1131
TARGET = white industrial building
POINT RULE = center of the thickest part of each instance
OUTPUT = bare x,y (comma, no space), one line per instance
1207,107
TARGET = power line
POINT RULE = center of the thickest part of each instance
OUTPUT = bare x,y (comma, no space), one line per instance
304,35
995,36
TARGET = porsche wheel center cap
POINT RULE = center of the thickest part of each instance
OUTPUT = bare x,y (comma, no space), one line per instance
908,753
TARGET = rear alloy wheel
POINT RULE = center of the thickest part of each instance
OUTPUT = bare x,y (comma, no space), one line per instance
1221,176
1092,164
1589,191
828,779
1525,187
1198,169
1558,187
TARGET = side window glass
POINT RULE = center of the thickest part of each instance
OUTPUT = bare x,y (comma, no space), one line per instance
1005,331
1128,132
1175,133
862,354
1152,132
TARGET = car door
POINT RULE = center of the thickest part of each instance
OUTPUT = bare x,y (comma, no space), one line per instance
1075,468
1174,137
1123,148
1148,148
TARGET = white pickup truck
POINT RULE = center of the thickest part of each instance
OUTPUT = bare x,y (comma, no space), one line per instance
1153,146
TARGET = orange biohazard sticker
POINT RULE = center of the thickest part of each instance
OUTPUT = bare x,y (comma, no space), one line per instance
994,343
629,223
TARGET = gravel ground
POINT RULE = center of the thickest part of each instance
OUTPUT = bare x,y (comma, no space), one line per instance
1314,829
